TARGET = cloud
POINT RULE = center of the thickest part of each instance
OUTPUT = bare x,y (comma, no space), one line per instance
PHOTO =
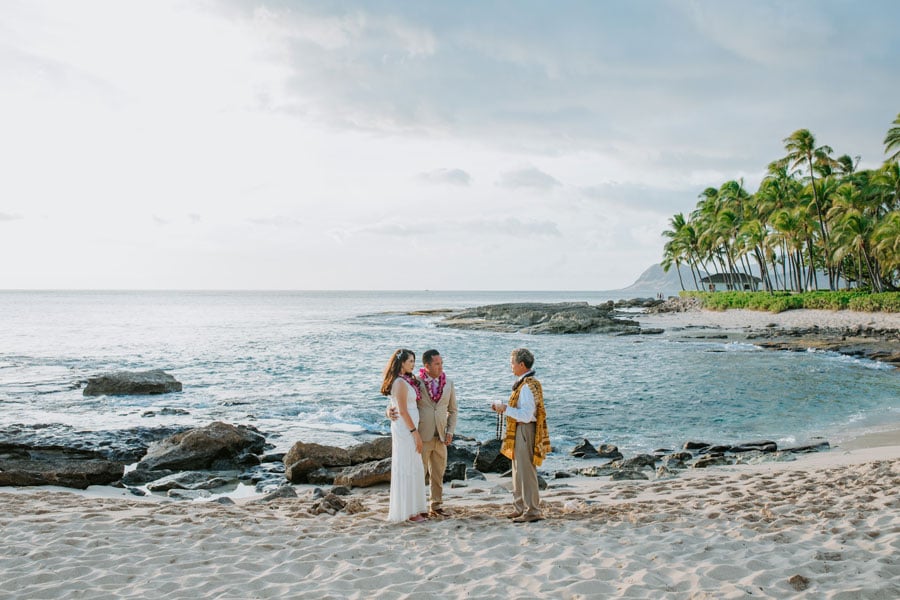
509,226
161,222
277,221
529,178
194,218
641,196
9,217
446,176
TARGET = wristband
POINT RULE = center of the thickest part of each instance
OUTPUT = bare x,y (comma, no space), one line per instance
413,430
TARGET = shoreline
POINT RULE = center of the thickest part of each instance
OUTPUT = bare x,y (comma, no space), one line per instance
828,521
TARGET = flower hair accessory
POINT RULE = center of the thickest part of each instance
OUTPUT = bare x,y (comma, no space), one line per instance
399,354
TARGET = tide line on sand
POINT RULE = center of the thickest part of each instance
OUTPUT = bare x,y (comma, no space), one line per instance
827,523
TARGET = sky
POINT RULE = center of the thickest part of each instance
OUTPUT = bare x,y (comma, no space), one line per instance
399,145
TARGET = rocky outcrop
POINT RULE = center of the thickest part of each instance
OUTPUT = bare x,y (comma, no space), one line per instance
128,383
28,466
377,449
304,458
366,474
218,446
540,318
489,460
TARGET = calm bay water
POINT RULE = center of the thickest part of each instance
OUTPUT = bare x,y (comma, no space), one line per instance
307,366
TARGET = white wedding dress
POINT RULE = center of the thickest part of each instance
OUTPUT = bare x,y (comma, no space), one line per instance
407,470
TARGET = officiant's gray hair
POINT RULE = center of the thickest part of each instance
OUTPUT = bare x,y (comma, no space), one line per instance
523,355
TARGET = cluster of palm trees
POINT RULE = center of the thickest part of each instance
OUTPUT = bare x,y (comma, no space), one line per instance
813,213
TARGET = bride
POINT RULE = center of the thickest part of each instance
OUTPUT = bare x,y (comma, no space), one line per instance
407,470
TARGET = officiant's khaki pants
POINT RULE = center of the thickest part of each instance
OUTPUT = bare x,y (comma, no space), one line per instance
434,456
526,499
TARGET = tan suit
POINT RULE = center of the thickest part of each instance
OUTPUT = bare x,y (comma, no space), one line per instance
436,420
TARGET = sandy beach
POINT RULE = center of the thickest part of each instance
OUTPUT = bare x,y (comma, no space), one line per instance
828,524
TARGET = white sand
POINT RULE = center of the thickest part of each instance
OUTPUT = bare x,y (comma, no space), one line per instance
732,532
738,320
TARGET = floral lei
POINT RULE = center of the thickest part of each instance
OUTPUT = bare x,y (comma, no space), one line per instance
436,392
411,380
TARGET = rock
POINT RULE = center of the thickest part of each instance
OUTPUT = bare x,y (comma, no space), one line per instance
474,474
695,446
303,458
676,460
340,490
188,480
29,466
458,483
377,449
664,472
284,491
166,412
562,475
225,500
799,582
541,318
627,474
584,449
542,483
715,460
322,476
641,461
354,506
366,474
143,476
598,470
462,450
330,504
125,383
489,460
820,447
609,451
199,449
188,494
455,470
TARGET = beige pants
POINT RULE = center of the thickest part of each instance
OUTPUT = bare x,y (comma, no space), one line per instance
526,499
434,457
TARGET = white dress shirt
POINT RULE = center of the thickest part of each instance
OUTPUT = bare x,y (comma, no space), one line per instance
524,412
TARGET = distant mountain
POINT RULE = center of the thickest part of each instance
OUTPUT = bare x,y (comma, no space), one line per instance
654,280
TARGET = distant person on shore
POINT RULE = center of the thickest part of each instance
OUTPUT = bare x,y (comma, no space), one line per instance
437,422
407,499
527,441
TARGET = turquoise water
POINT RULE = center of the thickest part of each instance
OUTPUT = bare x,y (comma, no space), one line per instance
307,366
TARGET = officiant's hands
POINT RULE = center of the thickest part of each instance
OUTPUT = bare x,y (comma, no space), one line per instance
498,407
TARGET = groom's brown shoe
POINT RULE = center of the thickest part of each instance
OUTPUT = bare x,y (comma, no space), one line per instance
514,515
438,512
528,519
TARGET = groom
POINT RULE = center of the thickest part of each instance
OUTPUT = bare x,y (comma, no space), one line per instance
437,422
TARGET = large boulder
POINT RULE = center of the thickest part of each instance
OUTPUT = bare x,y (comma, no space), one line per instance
366,474
218,446
125,383
377,449
67,467
304,458
489,460
541,318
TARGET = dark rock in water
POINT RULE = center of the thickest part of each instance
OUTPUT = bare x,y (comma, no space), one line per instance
123,445
820,447
763,446
304,458
278,457
340,490
610,451
489,460
598,470
166,412
143,476
695,446
539,318
562,475
125,383
28,466
462,450
377,449
198,449
455,470
366,474
584,449
542,483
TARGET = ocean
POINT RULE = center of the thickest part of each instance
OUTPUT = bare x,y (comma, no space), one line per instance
307,366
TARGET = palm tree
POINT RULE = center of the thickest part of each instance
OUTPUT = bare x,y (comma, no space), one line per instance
801,148
892,141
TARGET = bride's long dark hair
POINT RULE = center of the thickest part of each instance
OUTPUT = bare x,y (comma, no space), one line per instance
392,370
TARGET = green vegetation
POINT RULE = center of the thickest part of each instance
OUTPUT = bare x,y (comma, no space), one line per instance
780,301
812,213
